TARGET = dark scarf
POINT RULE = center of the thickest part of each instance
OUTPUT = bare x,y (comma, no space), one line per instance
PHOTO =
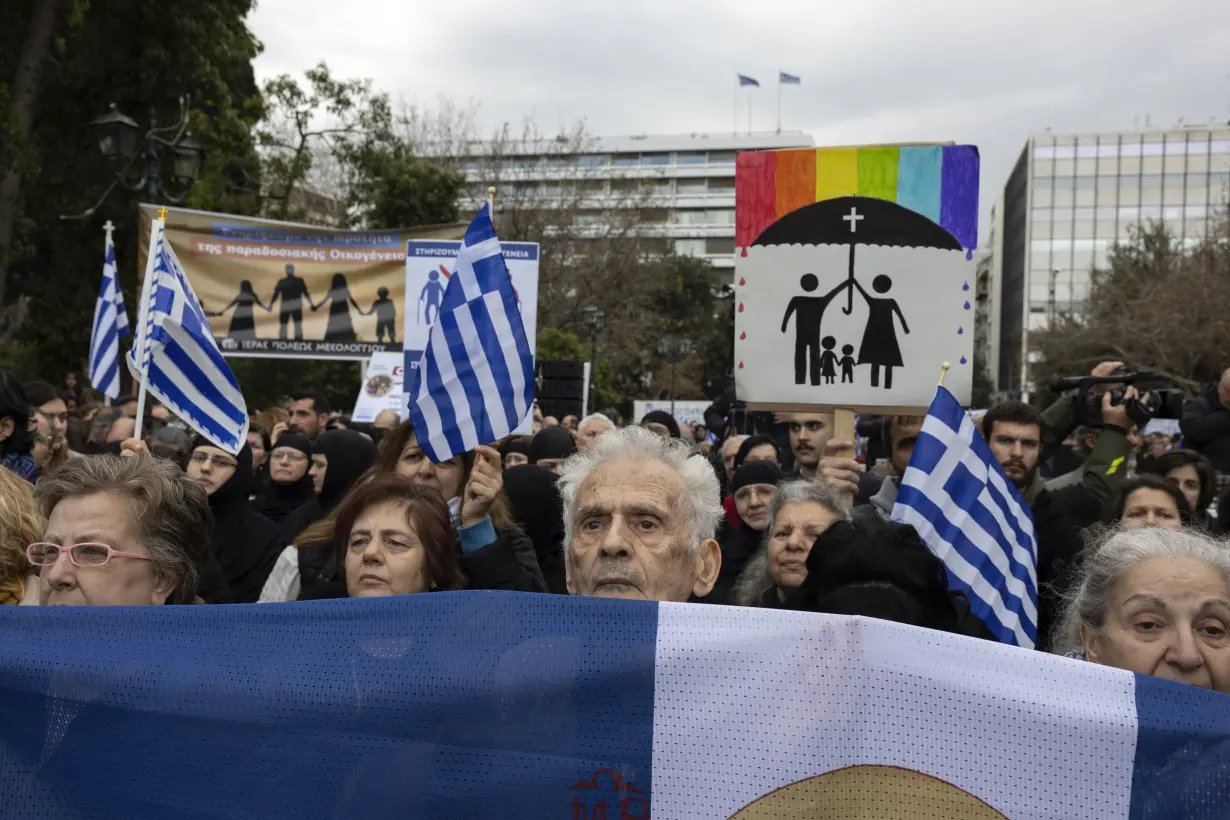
245,543
538,508
276,501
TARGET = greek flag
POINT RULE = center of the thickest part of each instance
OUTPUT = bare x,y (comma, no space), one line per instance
110,325
967,511
475,382
787,79
746,80
175,357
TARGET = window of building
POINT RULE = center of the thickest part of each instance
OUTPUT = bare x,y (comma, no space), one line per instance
690,247
691,218
690,186
692,157
723,216
717,185
1219,147
655,159
721,157
627,159
593,160
719,245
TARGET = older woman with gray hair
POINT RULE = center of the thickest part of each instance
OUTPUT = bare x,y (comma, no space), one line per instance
800,511
1157,602
121,531
640,515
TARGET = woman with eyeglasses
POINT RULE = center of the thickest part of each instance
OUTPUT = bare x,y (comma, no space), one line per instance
121,532
289,486
245,543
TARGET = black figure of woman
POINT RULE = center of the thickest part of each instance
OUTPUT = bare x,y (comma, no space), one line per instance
243,320
340,328
879,347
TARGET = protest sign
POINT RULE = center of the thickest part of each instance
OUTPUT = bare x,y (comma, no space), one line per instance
281,289
854,272
687,411
382,389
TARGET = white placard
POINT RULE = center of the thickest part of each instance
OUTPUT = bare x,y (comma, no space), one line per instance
687,411
910,310
383,388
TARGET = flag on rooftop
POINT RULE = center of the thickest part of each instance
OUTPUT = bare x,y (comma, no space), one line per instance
787,79
475,382
110,325
746,80
176,357
972,517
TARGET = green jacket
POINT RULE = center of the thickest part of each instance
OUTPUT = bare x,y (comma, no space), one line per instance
1105,469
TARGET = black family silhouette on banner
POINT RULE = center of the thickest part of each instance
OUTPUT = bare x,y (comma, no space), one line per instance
293,292
840,221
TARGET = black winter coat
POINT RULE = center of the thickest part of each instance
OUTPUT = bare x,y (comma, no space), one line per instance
1206,428
1059,550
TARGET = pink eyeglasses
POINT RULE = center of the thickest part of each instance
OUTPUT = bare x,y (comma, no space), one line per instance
82,555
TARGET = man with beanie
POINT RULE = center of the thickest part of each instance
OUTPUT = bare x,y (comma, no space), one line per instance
289,486
751,490
550,446
662,423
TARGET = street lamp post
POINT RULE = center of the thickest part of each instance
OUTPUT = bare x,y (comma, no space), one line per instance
673,350
595,318
121,144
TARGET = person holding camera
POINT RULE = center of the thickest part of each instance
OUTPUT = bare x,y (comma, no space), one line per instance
1206,424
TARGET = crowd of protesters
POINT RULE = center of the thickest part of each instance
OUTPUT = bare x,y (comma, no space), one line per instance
754,510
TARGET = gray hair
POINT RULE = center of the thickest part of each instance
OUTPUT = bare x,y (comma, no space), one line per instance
1108,561
755,580
699,503
598,417
172,513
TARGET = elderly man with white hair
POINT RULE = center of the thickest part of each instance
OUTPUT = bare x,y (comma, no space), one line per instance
640,515
592,426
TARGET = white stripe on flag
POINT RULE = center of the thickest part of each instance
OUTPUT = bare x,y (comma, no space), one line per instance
456,392
512,357
493,401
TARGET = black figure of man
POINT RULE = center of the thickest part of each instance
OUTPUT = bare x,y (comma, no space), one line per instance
386,315
293,291
810,310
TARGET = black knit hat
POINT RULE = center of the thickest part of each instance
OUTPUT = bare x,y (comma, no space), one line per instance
755,472
664,418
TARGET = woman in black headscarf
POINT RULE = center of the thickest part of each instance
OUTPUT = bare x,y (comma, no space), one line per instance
538,508
758,448
751,490
339,458
289,486
245,543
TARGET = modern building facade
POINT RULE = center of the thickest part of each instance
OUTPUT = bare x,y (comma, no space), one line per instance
683,184
1071,197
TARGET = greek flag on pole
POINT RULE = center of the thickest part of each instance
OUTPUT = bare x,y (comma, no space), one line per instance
967,511
110,325
176,357
746,80
475,382
787,79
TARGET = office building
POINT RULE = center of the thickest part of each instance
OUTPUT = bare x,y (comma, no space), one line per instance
682,185
1072,197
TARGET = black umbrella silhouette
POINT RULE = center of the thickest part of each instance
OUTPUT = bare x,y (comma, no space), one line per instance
857,220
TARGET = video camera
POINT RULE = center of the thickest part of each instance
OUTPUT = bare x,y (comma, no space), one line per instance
1156,402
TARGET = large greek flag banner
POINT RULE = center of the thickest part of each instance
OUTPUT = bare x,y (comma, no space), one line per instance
504,705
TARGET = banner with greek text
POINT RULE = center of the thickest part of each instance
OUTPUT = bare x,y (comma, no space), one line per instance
282,289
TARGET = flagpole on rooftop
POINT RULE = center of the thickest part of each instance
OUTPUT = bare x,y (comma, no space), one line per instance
779,101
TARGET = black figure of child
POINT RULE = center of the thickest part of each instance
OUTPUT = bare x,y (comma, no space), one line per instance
847,364
386,315
810,310
828,360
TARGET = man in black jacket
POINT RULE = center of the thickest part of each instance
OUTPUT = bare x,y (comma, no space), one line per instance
1013,430
1206,424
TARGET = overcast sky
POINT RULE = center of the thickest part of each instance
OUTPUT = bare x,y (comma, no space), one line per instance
986,72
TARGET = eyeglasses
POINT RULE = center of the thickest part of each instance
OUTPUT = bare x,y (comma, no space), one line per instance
219,462
288,455
82,555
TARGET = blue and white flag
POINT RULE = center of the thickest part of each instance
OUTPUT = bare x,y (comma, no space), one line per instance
746,80
787,79
506,705
110,325
967,511
475,382
176,357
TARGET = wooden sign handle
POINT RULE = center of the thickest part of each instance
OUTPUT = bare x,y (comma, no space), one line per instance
843,427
